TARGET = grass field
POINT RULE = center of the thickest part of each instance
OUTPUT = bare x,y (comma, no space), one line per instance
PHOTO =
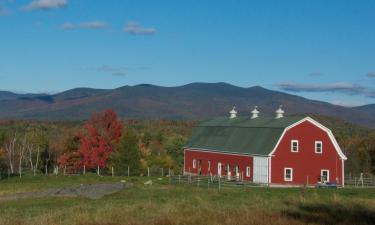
163,204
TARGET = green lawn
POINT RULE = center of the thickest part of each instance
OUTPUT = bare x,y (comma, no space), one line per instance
162,204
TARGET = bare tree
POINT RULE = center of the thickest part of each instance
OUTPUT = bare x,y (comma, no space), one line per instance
10,148
21,153
34,151
33,144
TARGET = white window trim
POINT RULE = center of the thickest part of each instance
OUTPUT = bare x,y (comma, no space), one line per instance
194,163
248,171
321,147
291,174
321,175
291,145
219,168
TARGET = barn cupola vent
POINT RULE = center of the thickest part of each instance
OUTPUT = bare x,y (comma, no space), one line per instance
280,112
255,113
233,113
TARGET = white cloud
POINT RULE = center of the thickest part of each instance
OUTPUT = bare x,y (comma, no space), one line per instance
68,26
371,74
135,29
4,11
85,25
93,25
115,71
345,88
346,103
315,74
46,4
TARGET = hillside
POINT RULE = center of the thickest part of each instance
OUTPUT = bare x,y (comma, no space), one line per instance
367,108
192,101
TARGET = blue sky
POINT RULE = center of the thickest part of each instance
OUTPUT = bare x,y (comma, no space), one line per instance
322,50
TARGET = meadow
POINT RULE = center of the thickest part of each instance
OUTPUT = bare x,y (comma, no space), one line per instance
162,203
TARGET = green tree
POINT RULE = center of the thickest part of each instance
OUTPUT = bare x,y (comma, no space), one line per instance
127,154
174,150
147,138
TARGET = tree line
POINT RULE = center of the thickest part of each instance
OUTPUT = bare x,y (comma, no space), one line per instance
105,142
97,145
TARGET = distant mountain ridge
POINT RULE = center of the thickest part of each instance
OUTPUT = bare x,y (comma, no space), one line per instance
191,101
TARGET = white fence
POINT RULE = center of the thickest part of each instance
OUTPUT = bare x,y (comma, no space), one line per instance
217,182
360,181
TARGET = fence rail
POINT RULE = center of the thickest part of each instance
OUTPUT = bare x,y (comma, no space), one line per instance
361,181
213,182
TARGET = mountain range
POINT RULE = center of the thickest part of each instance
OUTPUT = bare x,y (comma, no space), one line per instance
192,101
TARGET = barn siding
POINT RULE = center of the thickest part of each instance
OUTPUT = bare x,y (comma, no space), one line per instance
306,163
242,160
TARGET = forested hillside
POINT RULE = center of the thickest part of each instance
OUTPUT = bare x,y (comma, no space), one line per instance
195,101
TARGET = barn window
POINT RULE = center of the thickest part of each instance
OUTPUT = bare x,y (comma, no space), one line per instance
294,146
194,163
318,147
288,174
324,175
248,171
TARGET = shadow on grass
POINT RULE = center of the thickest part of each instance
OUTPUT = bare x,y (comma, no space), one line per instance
332,214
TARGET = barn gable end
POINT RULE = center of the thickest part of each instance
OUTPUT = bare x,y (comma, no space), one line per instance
317,124
305,165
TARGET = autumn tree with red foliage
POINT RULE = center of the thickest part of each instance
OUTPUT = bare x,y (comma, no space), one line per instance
103,132
70,159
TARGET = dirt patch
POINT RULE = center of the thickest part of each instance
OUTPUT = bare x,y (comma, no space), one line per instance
92,191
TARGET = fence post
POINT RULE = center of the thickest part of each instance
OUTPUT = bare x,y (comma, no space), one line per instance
179,179
208,182
198,181
162,172
361,178
219,183
113,172
148,171
64,170
84,169
128,171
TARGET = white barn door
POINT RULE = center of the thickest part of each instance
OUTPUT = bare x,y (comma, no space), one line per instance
260,170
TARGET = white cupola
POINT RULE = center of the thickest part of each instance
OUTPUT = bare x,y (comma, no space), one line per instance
255,113
280,112
233,113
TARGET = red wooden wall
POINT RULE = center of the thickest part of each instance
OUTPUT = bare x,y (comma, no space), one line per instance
215,158
306,164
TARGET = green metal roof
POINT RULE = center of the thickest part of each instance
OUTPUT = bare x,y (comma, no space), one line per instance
240,135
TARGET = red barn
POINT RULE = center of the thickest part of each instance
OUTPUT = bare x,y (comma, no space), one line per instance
279,150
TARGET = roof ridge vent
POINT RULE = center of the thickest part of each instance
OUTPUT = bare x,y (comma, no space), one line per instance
255,113
280,112
233,113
